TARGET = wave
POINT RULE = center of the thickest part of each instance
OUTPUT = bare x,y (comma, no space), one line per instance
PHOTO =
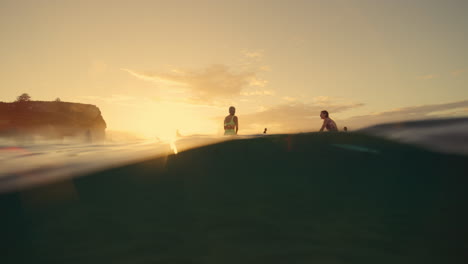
441,135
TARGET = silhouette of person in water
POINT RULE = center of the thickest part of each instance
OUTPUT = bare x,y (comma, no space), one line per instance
264,131
231,123
345,129
328,123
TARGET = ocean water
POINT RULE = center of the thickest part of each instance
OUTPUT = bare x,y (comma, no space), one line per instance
300,198
441,135
28,164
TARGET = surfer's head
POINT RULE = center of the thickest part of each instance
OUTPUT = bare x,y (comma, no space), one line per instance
324,114
232,110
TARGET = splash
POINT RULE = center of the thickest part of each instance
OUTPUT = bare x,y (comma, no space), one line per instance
173,146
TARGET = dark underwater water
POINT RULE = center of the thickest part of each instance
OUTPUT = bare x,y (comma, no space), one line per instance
303,198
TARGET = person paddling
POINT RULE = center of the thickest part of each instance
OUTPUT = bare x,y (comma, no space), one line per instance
328,123
231,123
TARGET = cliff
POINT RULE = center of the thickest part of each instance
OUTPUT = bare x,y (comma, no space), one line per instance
51,120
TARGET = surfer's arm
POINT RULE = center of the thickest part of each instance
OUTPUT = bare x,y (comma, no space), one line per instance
237,124
323,125
224,123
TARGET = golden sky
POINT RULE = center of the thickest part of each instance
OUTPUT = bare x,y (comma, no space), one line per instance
156,66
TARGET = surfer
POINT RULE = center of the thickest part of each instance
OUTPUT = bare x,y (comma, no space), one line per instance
328,123
231,123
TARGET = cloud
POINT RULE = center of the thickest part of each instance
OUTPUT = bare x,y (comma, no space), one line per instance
152,77
265,68
289,99
117,99
208,84
457,112
257,92
322,99
408,113
427,77
459,72
295,117
253,60
258,82
191,101
253,54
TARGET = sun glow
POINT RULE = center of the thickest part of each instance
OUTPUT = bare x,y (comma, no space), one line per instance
168,121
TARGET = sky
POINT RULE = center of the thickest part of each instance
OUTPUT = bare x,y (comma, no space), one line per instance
154,67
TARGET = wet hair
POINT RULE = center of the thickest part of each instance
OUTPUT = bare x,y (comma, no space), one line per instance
324,112
232,108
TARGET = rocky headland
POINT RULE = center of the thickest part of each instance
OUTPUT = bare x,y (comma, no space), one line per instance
51,120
